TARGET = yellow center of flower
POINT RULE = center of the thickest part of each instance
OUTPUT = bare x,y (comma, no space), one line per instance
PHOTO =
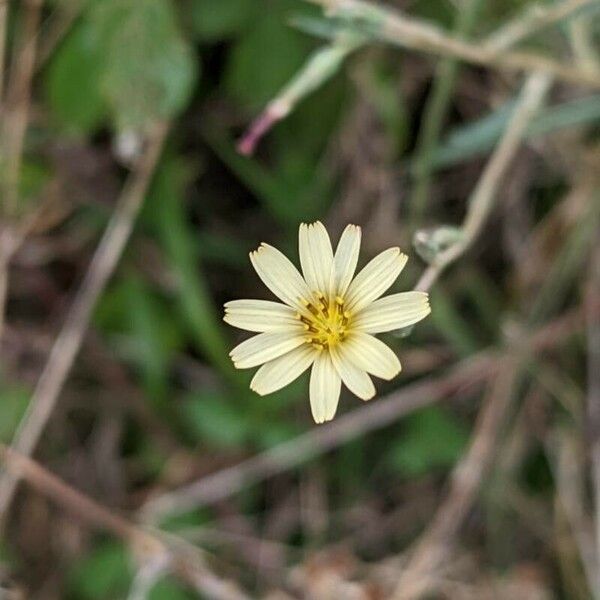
325,320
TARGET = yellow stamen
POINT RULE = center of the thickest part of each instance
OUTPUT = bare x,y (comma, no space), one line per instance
325,320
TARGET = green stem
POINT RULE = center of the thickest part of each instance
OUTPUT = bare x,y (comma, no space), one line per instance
435,112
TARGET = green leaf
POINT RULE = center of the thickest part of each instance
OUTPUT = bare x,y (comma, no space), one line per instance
212,20
102,575
451,324
433,438
264,59
72,81
167,210
287,200
169,589
148,69
474,139
155,335
34,176
13,402
149,333
213,419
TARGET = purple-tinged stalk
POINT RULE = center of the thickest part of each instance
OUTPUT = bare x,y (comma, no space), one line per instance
323,64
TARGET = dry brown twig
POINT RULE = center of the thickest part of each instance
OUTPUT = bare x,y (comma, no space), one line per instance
69,340
481,201
534,18
15,112
593,392
229,481
153,548
566,453
3,24
433,548
395,28
60,22
581,37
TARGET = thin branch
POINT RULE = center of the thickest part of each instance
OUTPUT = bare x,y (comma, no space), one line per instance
229,481
69,340
435,111
12,237
533,19
3,27
395,28
155,547
434,546
593,391
10,241
16,110
60,24
585,50
570,488
481,200
147,577
72,500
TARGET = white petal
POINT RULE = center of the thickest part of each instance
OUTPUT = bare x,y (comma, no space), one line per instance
277,373
280,275
346,258
355,379
261,315
371,355
316,256
393,312
375,279
264,347
325,388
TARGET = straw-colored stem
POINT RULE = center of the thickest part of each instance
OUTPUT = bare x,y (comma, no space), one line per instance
435,112
3,25
69,340
533,19
481,200
15,114
395,28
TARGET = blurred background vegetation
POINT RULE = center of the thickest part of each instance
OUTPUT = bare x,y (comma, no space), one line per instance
110,106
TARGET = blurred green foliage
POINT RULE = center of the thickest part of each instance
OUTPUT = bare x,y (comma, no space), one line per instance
127,60
433,438
13,402
210,67
104,574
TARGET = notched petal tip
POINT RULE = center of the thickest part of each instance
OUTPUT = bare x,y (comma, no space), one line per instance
389,377
322,419
264,246
257,390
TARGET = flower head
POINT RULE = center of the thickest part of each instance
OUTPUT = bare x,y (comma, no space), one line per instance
327,319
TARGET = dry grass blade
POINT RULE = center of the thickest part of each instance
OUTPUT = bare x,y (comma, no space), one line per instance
435,544
481,200
69,340
15,112
397,29
593,395
228,482
536,17
317,441
3,20
154,547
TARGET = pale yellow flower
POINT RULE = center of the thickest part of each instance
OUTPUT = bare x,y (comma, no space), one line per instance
326,320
